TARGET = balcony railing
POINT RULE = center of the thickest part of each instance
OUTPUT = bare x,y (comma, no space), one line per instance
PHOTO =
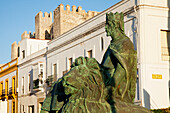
8,65
10,90
7,92
2,92
49,80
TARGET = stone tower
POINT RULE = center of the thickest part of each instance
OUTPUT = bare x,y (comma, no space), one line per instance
29,35
43,25
65,20
14,50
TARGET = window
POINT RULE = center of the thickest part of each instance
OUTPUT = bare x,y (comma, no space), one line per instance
137,85
165,44
41,73
22,85
31,109
55,72
41,68
23,108
6,87
20,109
18,51
70,62
13,107
23,54
13,85
101,44
1,88
90,54
29,82
40,105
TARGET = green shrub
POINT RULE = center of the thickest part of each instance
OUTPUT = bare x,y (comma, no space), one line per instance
166,110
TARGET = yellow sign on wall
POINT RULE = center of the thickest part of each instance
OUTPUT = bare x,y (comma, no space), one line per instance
156,76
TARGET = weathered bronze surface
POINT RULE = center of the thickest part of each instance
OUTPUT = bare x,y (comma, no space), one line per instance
90,87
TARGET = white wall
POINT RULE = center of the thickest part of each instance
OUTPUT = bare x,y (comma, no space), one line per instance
72,44
155,92
3,106
31,46
143,27
35,52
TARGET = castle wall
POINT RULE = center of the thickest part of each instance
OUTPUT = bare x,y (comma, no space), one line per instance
42,24
65,20
57,24
14,50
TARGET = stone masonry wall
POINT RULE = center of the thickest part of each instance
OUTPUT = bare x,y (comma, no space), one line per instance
65,20
42,25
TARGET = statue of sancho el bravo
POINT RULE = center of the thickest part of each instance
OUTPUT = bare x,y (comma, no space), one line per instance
90,87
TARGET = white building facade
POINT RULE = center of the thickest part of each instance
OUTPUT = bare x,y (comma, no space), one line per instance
31,69
146,23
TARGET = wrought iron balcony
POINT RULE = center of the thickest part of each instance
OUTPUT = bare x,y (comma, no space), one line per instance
2,92
50,79
10,90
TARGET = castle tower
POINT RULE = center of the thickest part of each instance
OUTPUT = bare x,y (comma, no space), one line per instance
65,20
29,35
14,50
42,25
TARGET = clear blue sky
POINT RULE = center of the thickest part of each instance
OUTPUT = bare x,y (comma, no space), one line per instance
18,16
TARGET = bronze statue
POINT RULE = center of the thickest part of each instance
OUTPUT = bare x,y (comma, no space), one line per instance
90,87
119,62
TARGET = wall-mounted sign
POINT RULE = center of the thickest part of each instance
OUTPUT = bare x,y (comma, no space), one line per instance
156,76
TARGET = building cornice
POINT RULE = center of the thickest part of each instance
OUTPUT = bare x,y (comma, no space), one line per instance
90,20
9,67
32,58
67,42
153,6
80,36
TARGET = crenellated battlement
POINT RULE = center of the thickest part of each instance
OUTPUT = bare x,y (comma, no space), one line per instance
75,10
65,18
27,35
69,17
45,15
42,23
